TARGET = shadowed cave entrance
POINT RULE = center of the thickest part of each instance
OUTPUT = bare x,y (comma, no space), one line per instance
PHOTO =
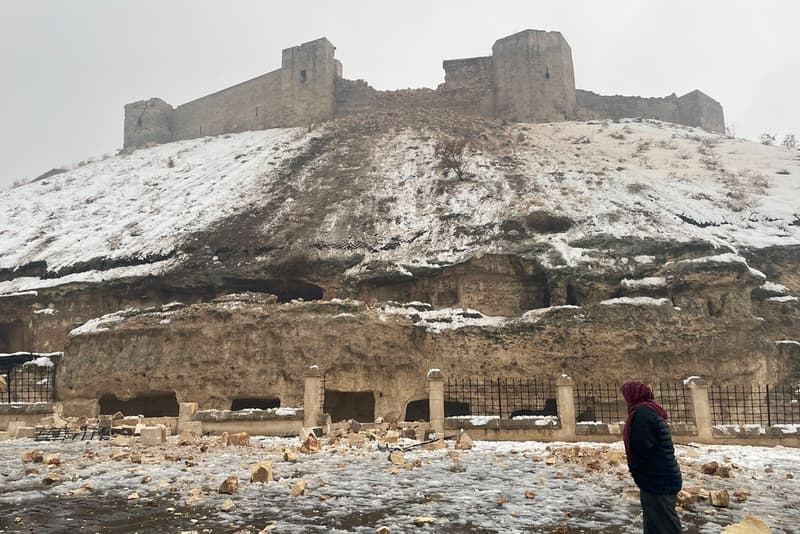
492,284
255,403
285,289
14,337
150,404
344,405
420,410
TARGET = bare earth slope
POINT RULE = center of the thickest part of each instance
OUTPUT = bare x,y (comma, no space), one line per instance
366,195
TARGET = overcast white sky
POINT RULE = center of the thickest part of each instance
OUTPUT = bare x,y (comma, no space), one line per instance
69,67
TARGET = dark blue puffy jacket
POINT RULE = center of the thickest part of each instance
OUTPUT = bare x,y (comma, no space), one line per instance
652,460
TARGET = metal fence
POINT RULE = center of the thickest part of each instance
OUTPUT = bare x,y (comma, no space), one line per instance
765,405
675,399
322,394
24,378
604,402
501,397
599,402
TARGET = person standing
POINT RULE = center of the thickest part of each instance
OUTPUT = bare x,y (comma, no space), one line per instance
651,459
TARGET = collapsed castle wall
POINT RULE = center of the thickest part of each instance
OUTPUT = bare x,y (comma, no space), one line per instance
301,91
529,78
692,109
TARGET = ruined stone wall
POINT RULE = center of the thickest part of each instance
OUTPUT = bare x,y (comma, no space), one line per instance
594,106
529,77
698,109
300,92
534,78
307,83
692,109
148,121
251,105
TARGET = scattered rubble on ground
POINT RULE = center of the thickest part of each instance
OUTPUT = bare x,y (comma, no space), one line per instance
716,486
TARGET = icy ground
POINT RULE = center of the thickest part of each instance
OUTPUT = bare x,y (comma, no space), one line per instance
502,487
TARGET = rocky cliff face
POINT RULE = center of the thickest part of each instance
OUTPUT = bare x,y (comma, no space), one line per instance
600,248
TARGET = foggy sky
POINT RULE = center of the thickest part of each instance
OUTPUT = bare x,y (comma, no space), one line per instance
69,67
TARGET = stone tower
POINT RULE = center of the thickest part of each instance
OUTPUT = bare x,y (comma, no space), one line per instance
533,77
307,82
148,121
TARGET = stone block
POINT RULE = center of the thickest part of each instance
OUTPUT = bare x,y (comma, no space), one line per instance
154,435
186,411
25,432
13,426
195,427
261,472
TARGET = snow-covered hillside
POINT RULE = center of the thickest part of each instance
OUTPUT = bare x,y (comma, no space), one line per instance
331,192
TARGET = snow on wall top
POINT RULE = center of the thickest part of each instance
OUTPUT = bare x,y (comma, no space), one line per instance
629,179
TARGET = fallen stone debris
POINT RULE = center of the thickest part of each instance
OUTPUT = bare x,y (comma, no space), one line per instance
711,487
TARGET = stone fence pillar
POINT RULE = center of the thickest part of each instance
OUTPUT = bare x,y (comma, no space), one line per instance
436,401
566,407
185,415
698,389
312,397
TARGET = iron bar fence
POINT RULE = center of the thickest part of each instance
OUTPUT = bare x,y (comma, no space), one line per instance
599,403
765,405
500,397
675,399
322,394
26,378
604,402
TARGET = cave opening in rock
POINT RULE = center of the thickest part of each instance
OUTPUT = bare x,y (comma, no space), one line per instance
455,409
572,296
344,405
14,337
285,289
255,403
418,410
149,404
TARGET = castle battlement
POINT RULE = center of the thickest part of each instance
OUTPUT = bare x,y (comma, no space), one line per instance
529,78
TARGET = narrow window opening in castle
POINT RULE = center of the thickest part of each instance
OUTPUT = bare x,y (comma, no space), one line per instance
572,296
547,73
255,403
454,408
139,122
418,410
256,111
303,76
344,405
150,404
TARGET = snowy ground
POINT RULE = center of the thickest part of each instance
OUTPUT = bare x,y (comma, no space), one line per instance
356,490
629,180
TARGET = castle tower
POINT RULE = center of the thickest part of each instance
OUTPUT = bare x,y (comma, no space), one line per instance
307,82
147,121
533,76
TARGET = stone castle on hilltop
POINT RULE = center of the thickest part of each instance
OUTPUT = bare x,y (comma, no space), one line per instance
529,77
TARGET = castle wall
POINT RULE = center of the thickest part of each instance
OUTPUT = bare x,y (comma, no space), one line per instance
594,106
698,109
307,88
529,77
148,121
252,105
534,78
692,109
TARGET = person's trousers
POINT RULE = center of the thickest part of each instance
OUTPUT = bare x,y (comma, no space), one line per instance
659,512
